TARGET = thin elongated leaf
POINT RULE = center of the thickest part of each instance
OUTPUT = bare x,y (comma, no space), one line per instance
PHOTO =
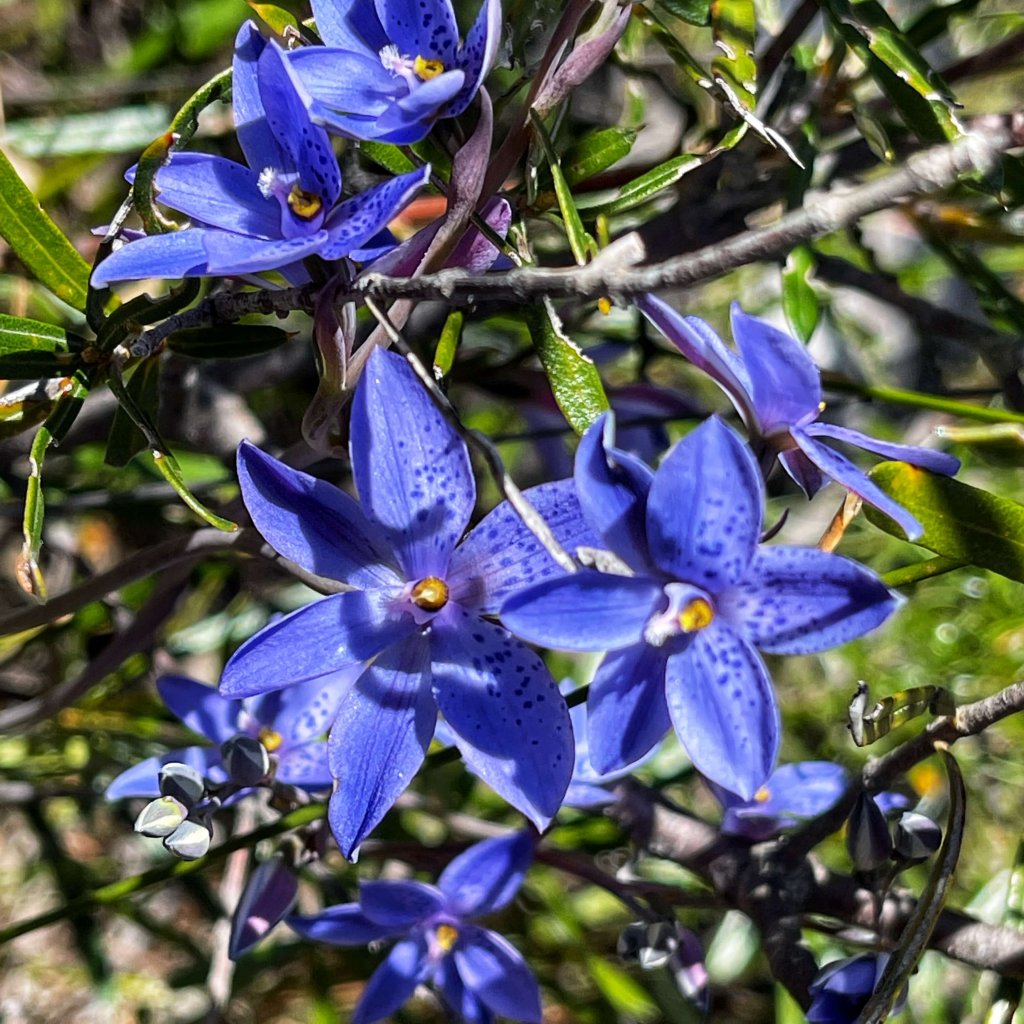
37,365
580,242
643,188
391,158
923,100
18,334
44,249
574,379
448,343
122,130
961,522
30,575
914,940
126,440
733,26
233,341
596,152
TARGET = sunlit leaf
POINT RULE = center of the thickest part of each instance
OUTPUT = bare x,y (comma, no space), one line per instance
799,300
596,152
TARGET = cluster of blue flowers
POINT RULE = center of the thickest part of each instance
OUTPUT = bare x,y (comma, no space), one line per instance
673,584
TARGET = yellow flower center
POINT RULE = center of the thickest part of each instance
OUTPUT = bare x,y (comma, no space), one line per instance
763,795
270,739
696,615
446,937
426,68
304,204
430,594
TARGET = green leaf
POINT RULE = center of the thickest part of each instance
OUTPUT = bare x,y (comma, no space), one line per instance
122,130
734,26
799,300
574,379
696,12
448,343
38,365
580,242
596,152
643,188
44,249
229,342
915,89
626,996
274,15
126,440
29,573
391,158
961,522
18,334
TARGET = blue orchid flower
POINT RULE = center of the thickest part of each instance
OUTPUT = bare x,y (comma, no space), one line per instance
692,598
277,211
290,725
776,388
793,793
414,616
841,989
478,972
392,67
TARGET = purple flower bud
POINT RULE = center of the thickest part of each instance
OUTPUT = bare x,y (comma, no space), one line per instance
916,837
245,760
867,835
268,896
182,782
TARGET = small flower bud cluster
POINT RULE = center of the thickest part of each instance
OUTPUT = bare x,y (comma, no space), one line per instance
183,813
877,839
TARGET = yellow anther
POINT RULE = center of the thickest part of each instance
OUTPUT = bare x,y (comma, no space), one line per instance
696,615
447,936
304,204
426,68
604,304
821,406
430,594
270,739
763,795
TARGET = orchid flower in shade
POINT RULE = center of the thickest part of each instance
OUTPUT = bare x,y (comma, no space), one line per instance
392,67
776,388
692,597
792,794
478,972
277,211
841,989
414,616
290,725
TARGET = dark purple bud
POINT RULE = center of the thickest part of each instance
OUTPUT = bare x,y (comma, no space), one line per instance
267,898
916,837
245,760
182,782
867,835
189,841
160,817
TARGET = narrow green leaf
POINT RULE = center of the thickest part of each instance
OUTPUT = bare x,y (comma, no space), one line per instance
920,96
233,341
914,940
626,996
908,575
391,158
580,242
596,152
574,379
44,249
961,522
29,573
643,188
121,130
733,27
126,440
799,300
448,343
37,365
20,335
696,12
